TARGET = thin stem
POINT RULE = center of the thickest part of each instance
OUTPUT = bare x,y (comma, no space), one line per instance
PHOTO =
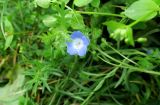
108,75
113,59
2,13
100,13
121,54
134,69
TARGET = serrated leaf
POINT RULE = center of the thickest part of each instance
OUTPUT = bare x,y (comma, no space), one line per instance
145,9
43,3
80,3
49,21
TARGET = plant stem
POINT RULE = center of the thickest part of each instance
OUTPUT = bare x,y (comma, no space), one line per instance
1,23
140,19
100,13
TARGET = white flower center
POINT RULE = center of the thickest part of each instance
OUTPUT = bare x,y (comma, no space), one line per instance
78,43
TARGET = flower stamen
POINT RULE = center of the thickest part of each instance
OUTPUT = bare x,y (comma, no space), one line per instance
77,43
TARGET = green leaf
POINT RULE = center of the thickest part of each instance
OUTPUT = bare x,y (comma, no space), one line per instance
119,1
72,95
134,88
95,3
145,63
144,9
77,21
64,1
96,33
8,33
113,25
129,38
80,3
8,41
157,2
128,2
107,8
50,21
9,94
23,100
119,31
101,82
43,3
123,76
147,93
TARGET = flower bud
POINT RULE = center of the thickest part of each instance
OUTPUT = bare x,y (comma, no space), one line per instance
142,40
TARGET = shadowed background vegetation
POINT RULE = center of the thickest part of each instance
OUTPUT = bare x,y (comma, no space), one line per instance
121,67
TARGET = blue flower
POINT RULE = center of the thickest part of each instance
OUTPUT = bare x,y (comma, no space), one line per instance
78,45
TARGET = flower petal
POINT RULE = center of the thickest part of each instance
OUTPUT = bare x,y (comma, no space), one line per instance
82,51
76,34
70,49
79,44
86,41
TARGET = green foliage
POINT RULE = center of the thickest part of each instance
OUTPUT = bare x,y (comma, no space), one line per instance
43,3
9,31
119,32
50,21
95,3
38,75
142,9
77,21
157,2
11,92
81,3
121,66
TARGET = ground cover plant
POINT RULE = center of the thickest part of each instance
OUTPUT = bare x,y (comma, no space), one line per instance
79,52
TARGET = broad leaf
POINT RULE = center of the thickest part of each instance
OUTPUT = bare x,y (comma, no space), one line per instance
77,21
50,21
81,3
8,33
113,25
9,94
43,3
8,41
119,31
144,9
95,3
